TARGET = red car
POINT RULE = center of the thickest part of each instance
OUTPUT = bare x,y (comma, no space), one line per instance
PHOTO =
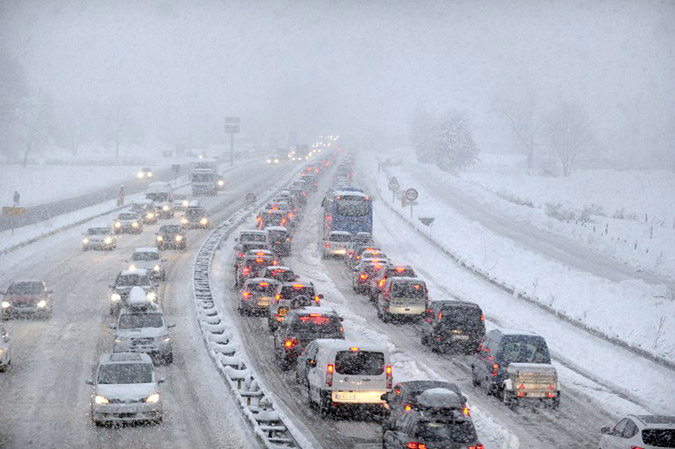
27,298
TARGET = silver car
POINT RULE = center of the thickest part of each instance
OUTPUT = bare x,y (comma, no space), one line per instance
126,390
148,259
5,349
141,328
99,237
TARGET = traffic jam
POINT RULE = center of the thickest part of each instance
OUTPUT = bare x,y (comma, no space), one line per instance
341,375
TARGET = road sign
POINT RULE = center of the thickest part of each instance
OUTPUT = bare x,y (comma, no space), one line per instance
394,186
231,125
13,210
250,198
411,194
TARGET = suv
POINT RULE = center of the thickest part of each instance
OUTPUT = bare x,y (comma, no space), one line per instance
336,244
356,254
288,296
256,295
403,297
376,283
280,240
271,217
453,325
146,209
450,429
126,390
129,222
253,266
362,275
125,281
101,237
639,431
141,328
5,349
404,398
27,298
171,236
148,259
145,173
195,217
516,367
301,327
343,373
279,273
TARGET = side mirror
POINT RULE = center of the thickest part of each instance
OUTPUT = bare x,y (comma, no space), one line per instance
341,319
320,296
169,326
89,382
162,380
605,430
385,397
110,286
355,270
311,362
236,239
7,339
111,325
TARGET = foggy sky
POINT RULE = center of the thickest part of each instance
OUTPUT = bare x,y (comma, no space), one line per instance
358,68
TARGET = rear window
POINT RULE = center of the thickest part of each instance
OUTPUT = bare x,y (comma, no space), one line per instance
455,431
277,235
372,269
401,272
316,324
294,292
525,349
359,363
461,315
253,238
342,238
659,437
406,290
262,287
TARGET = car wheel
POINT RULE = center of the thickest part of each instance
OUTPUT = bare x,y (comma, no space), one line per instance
508,399
425,340
475,381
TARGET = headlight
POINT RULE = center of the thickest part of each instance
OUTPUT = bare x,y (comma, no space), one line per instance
140,174
186,203
107,240
132,267
42,304
149,175
100,400
155,268
179,238
6,305
118,224
160,238
85,241
134,224
120,339
166,208
166,338
115,297
150,215
151,296
204,221
153,398
269,161
184,221
221,183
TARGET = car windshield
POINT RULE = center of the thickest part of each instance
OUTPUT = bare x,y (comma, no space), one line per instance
125,373
195,212
128,216
145,255
98,231
174,229
316,324
340,238
455,431
659,437
353,206
359,363
525,349
132,279
203,177
253,238
407,290
139,320
25,288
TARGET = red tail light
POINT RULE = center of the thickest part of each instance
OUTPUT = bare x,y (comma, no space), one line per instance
466,411
407,407
482,317
636,447
246,271
416,445
381,284
495,369
329,375
290,343
389,376
364,276
399,269
317,299
326,245
477,446
240,255
245,294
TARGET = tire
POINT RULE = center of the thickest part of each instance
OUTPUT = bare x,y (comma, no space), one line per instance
309,399
474,380
508,399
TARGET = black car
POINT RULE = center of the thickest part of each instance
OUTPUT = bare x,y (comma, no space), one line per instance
453,325
171,236
280,240
404,398
301,327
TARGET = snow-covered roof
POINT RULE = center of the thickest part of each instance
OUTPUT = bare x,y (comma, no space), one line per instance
516,332
146,249
343,345
124,357
139,271
275,228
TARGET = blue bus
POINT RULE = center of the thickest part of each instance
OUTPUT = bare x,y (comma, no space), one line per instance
347,209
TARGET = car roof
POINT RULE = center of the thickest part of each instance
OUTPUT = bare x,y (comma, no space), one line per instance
279,267
455,302
299,282
146,249
344,345
99,225
313,309
260,279
124,357
340,233
142,202
655,420
252,231
405,279
515,332
139,271
276,228
418,386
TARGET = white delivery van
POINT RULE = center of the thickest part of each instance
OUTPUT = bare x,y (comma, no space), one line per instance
346,373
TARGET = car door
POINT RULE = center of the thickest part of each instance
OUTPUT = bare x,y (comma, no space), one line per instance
305,360
482,358
615,439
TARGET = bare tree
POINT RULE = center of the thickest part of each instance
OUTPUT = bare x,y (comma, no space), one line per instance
13,96
35,124
569,132
521,114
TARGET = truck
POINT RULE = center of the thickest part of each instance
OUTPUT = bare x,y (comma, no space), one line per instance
204,177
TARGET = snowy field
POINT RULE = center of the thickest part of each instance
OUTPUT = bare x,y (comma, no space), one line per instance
630,310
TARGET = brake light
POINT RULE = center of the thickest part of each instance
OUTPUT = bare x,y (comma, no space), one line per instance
290,343
467,412
245,294
477,446
260,253
495,369
482,317
246,271
440,315
416,445
329,375
278,297
377,267
521,386
407,407
353,348
240,255
315,314
326,245
364,276
636,447
550,395
297,286
399,269
381,284
389,376
317,299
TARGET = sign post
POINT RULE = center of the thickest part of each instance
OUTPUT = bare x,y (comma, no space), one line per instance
394,186
410,196
14,213
231,128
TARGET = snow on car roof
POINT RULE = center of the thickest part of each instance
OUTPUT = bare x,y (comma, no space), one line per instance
344,345
313,309
516,332
344,191
657,420
340,233
275,228
279,267
146,249
142,202
125,357
403,279
139,271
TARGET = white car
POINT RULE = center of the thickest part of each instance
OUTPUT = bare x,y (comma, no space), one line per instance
639,431
150,259
141,327
5,349
99,237
126,390
336,244
343,373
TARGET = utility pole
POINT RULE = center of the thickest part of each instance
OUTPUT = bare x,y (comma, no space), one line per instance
231,127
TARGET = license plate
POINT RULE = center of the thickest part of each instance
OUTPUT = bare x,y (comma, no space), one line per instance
345,396
282,312
460,337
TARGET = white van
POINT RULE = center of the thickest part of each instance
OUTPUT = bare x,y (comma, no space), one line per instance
344,373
